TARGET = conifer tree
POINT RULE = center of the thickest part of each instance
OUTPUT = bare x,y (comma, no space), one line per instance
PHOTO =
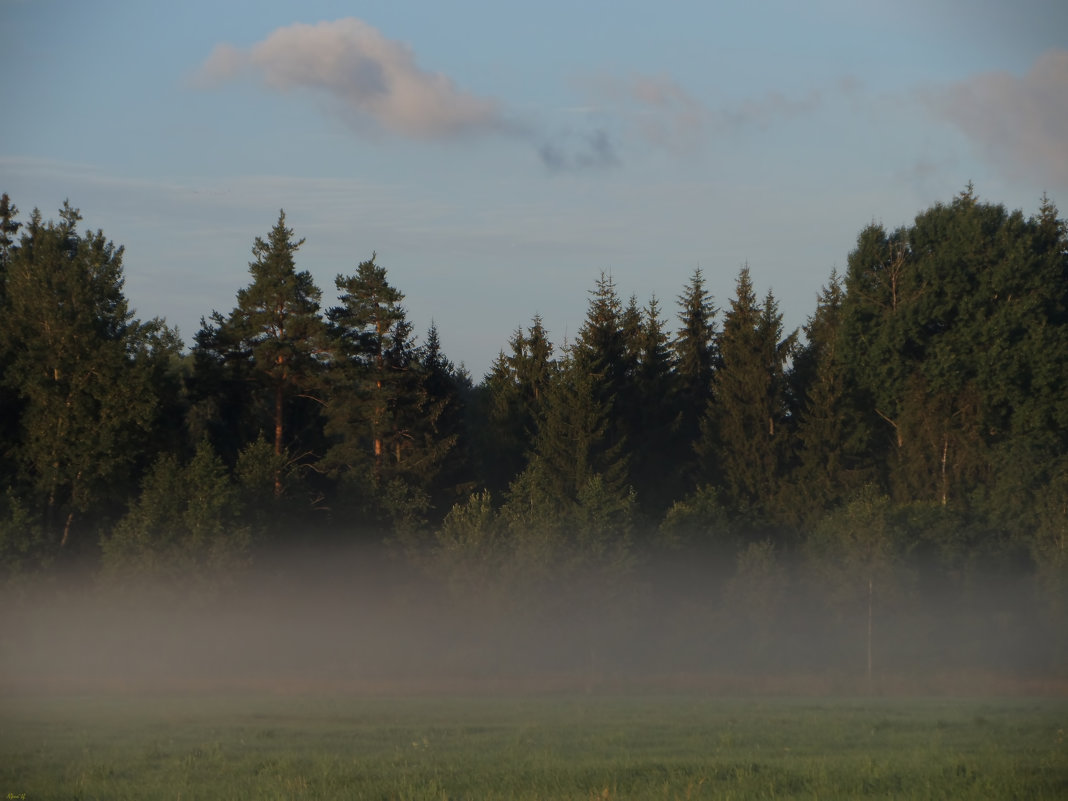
631,324
511,398
275,338
10,406
82,369
574,463
447,390
602,346
829,436
375,352
607,351
744,439
8,228
694,349
383,415
655,423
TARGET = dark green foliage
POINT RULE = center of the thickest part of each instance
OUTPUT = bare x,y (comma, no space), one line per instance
579,459
513,394
448,390
10,404
572,447
915,441
952,328
700,522
571,507
606,350
8,228
744,434
273,493
830,437
696,358
84,375
392,411
271,349
655,419
185,524
23,544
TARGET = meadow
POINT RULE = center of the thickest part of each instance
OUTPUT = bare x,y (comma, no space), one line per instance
264,746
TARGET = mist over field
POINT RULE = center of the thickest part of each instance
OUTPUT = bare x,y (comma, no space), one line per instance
364,620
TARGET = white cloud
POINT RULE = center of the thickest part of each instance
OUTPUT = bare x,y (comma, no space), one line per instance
368,76
1020,124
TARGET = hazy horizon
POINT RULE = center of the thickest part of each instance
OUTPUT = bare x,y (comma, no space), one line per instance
359,620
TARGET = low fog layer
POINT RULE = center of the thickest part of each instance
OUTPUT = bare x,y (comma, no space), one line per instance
364,621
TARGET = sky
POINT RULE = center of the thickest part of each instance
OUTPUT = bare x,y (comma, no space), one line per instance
497,157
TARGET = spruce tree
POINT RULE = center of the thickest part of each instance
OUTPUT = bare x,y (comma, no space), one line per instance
744,439
512,396
574,463
447,389
655,424
607,352
829,436
694,348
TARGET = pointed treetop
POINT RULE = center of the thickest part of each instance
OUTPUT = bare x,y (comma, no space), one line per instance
8,226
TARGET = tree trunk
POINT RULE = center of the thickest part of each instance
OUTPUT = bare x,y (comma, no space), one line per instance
376,423
66,530
945,480
870,588
278,432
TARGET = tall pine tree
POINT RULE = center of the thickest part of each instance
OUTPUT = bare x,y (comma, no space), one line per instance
276,339
384,418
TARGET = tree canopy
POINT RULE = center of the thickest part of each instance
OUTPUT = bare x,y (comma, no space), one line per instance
921,410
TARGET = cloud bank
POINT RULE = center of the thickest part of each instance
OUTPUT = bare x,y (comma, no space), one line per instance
369,77
1020,124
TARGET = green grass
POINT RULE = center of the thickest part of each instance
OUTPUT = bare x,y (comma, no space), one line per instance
560,747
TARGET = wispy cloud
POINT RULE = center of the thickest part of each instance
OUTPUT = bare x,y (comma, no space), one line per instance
369,77
376,83
665,115
765,111
1019,123
579,152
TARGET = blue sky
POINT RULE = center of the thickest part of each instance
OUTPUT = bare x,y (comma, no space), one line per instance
498,156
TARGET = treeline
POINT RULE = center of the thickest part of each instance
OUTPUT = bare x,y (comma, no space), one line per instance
918,425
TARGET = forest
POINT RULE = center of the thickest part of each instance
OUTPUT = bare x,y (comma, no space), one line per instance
907,449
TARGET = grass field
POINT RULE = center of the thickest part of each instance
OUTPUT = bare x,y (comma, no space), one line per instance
258,746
